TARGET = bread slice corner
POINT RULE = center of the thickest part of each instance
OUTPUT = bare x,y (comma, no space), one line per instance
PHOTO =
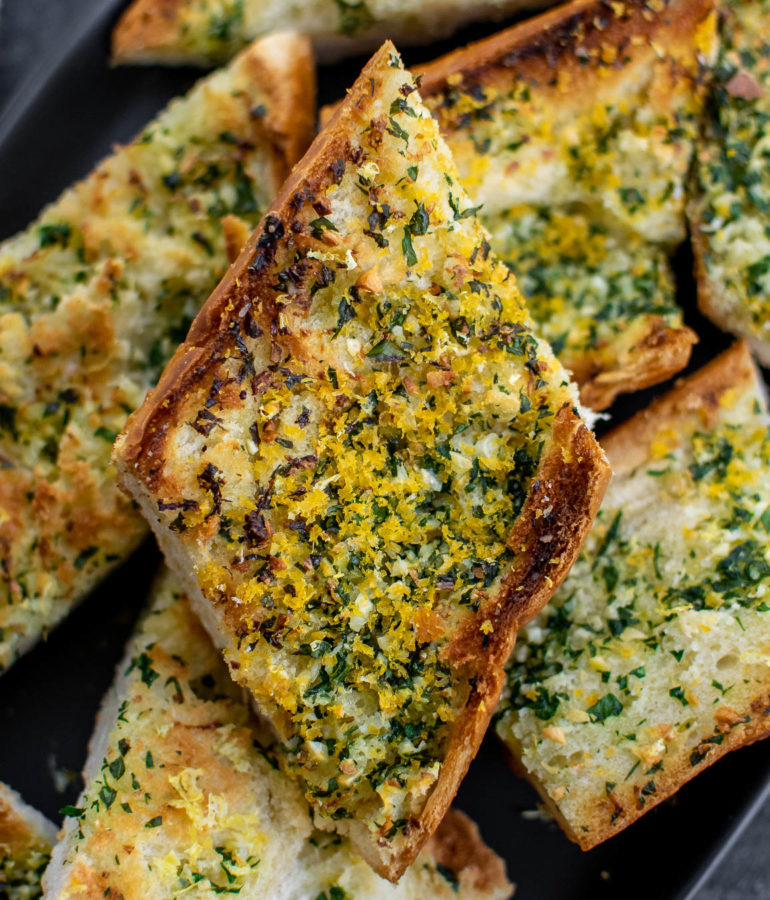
26,840
651,661
594,96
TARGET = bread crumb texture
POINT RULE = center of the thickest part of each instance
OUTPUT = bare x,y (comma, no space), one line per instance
186,801
94,297
575,134
344,456
732,212
26,839
652,659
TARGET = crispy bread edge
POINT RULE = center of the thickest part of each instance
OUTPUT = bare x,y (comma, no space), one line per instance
695,396
571,481
539,46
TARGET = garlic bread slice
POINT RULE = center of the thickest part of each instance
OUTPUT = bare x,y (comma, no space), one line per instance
94,298
181,798
653,658
26,841
369,470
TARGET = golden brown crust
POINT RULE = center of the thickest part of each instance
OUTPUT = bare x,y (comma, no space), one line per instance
695,397
457,844
145,27
567,491
661,353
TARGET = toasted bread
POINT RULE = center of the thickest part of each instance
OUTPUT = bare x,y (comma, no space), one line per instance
730,211
653,659
180,797
574,132
200,32
392,474
95,296
26,839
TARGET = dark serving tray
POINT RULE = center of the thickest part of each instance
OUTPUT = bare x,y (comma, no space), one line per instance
53,130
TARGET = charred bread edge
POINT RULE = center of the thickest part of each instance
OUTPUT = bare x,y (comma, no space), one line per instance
571,479
147,26
539,46
708,300
695,397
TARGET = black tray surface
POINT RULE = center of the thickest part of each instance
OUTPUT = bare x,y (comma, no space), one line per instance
61,110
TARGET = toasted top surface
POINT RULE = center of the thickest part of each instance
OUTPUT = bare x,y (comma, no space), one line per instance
732,215
96,294
342,449
575,131
592,104
26,838
202,31
652,659
181,798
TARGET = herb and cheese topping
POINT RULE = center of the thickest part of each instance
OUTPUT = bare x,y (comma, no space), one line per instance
26,838
654,654
206,31
94,297
346,478
579,168
732,212
182,799
592,289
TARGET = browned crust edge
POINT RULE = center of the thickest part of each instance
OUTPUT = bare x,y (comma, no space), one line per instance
696,397
458,845
662,352
540,46
566,494
146,27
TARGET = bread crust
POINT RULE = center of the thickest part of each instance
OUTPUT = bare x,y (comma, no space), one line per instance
457,844
660,353
568,487
537,47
